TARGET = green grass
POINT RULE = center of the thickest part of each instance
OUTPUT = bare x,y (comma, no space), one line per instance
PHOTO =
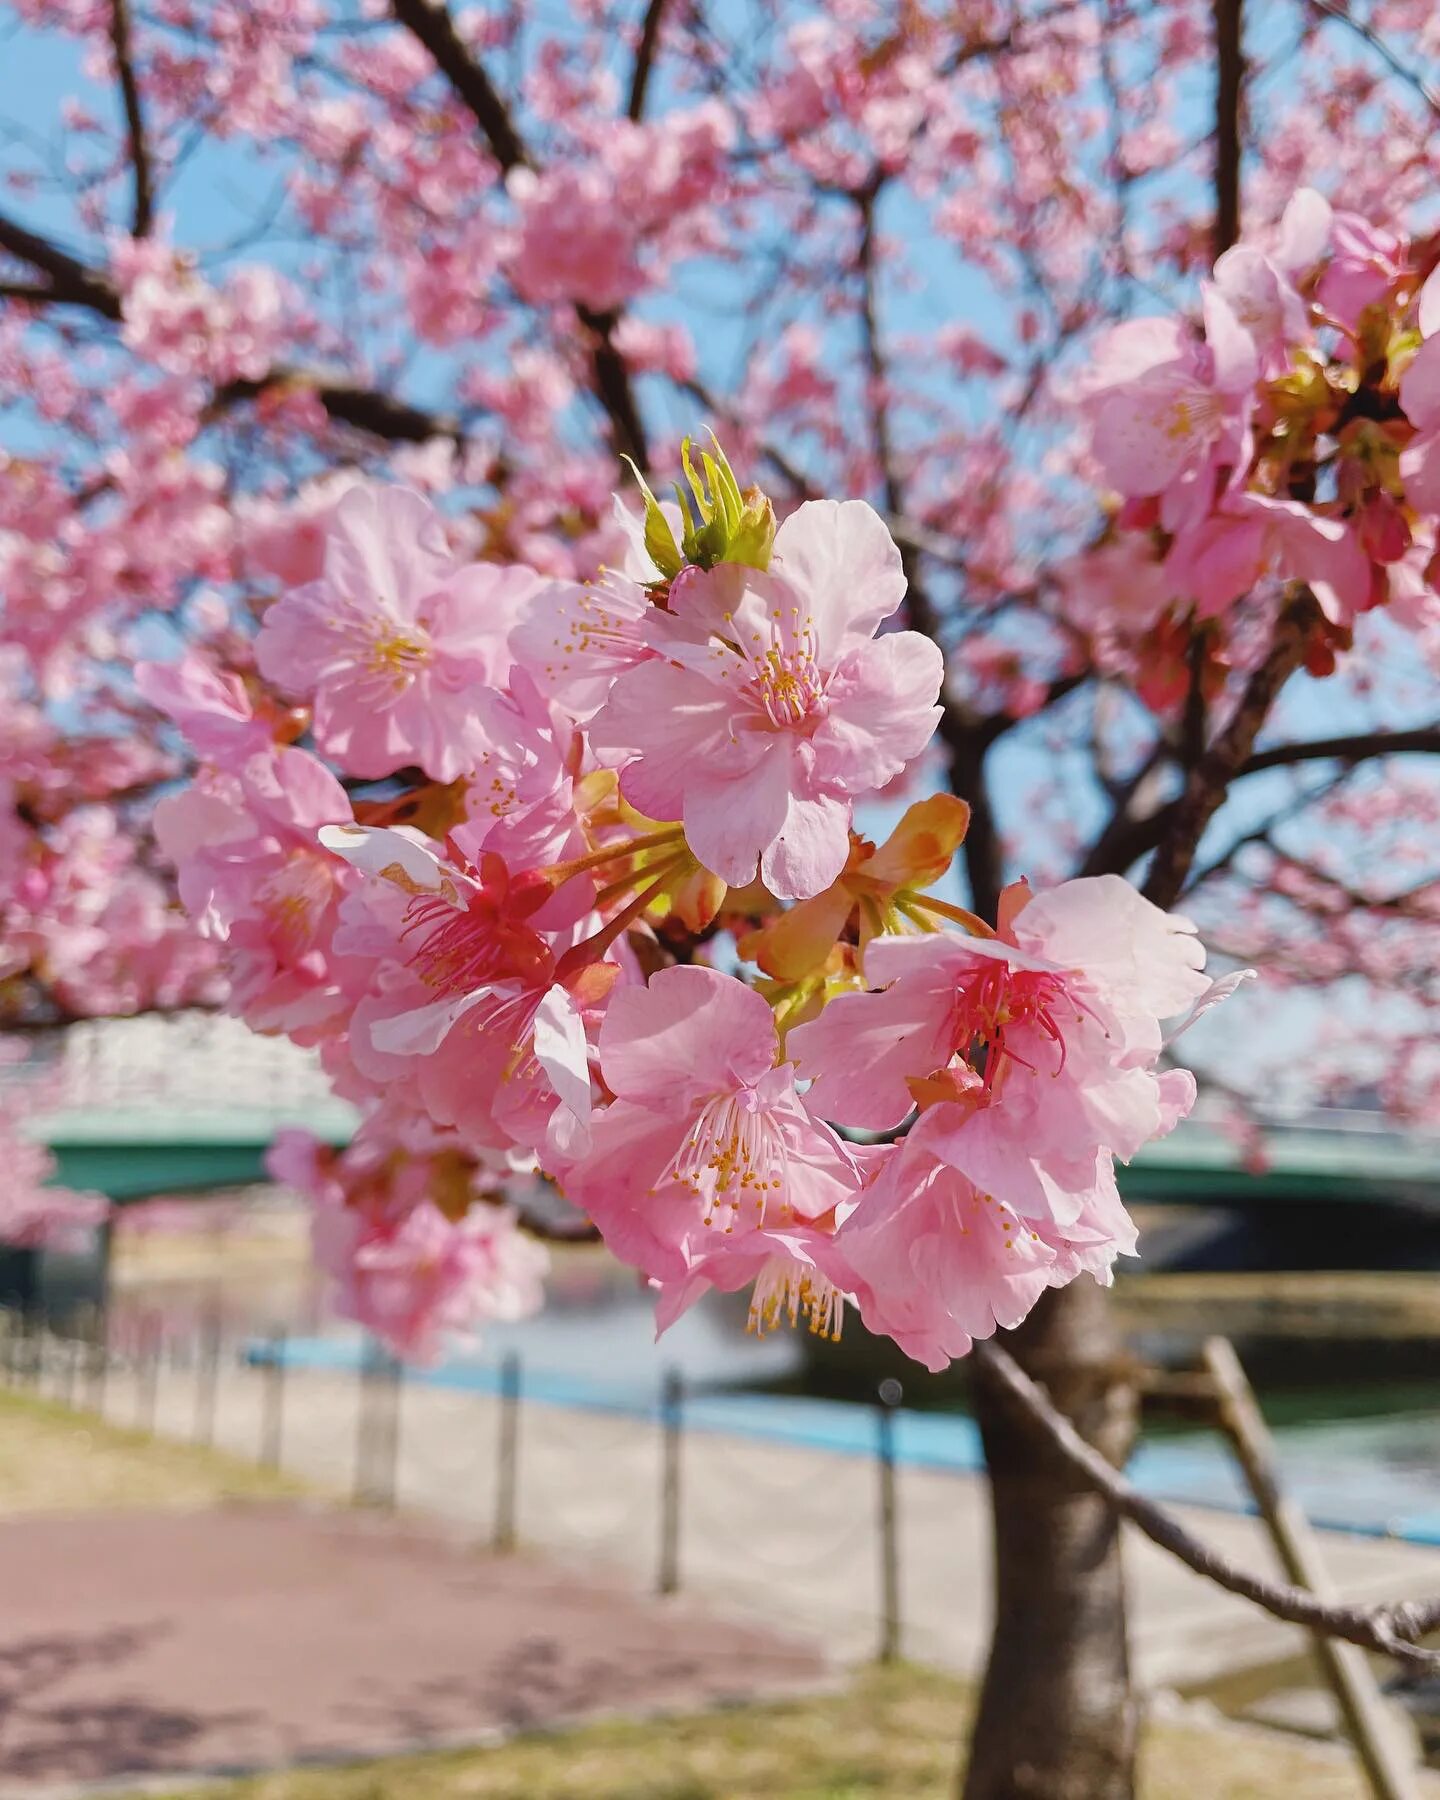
55,1460
891,1735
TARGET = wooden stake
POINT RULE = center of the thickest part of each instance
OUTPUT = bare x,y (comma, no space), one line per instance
1390,1772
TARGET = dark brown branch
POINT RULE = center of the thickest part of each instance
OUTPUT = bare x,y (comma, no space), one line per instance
1392,1630
367,409
1208,782
645,59
1127,838
1361,748
613,388
560,1231
965,737
33,293
430,22
1229,102
143,211
72,283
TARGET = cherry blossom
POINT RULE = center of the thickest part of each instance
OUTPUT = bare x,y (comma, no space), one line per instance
395,638
773,705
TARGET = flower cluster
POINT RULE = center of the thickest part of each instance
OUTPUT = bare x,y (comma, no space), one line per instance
1289,441
35,1212
518,929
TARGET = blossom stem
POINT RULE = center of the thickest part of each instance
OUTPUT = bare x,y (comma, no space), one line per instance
613,852
593,948
614,889
908,909
961,915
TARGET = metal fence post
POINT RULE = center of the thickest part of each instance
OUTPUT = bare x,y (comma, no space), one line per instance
207,1374
508,1467
99,1358
147,1374
73,1349
672,1430
272,1417
890,1395
31,1363
393,1388
364,1421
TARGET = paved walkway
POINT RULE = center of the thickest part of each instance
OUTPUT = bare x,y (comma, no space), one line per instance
768,1532
256,1635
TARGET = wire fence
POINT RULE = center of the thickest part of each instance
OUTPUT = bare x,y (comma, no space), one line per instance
643,1487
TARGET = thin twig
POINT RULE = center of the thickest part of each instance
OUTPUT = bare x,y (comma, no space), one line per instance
1391,1630
1361,747
1341,14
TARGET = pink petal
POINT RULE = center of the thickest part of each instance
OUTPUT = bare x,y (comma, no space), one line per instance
882,711
839,556
729,820
810,849
1420,386
691,1032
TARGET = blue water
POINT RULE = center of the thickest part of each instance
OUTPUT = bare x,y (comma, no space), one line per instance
1377,1477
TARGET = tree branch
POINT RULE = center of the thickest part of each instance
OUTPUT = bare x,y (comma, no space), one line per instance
1209,780
645,59
1126,839
1360,748
1391,1630
144,206
613,388
72,283
367,409
1337,10
430,22
1229,97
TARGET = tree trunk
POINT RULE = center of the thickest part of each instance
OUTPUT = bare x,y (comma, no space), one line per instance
1057,1717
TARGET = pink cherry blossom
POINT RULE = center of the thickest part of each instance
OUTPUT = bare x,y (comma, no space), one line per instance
415,1274
934,1263
253,874
1252,536
210,706
500,1042
1168,411
773,706
707,1143
1365,262
395,639
1064,1013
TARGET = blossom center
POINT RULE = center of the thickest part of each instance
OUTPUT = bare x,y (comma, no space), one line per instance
1190,415
294,900
398,654
1002,1002
782,664
733,1154
461,948
786,1289
387,655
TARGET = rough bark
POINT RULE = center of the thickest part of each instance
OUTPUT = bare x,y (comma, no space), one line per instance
1057,1715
